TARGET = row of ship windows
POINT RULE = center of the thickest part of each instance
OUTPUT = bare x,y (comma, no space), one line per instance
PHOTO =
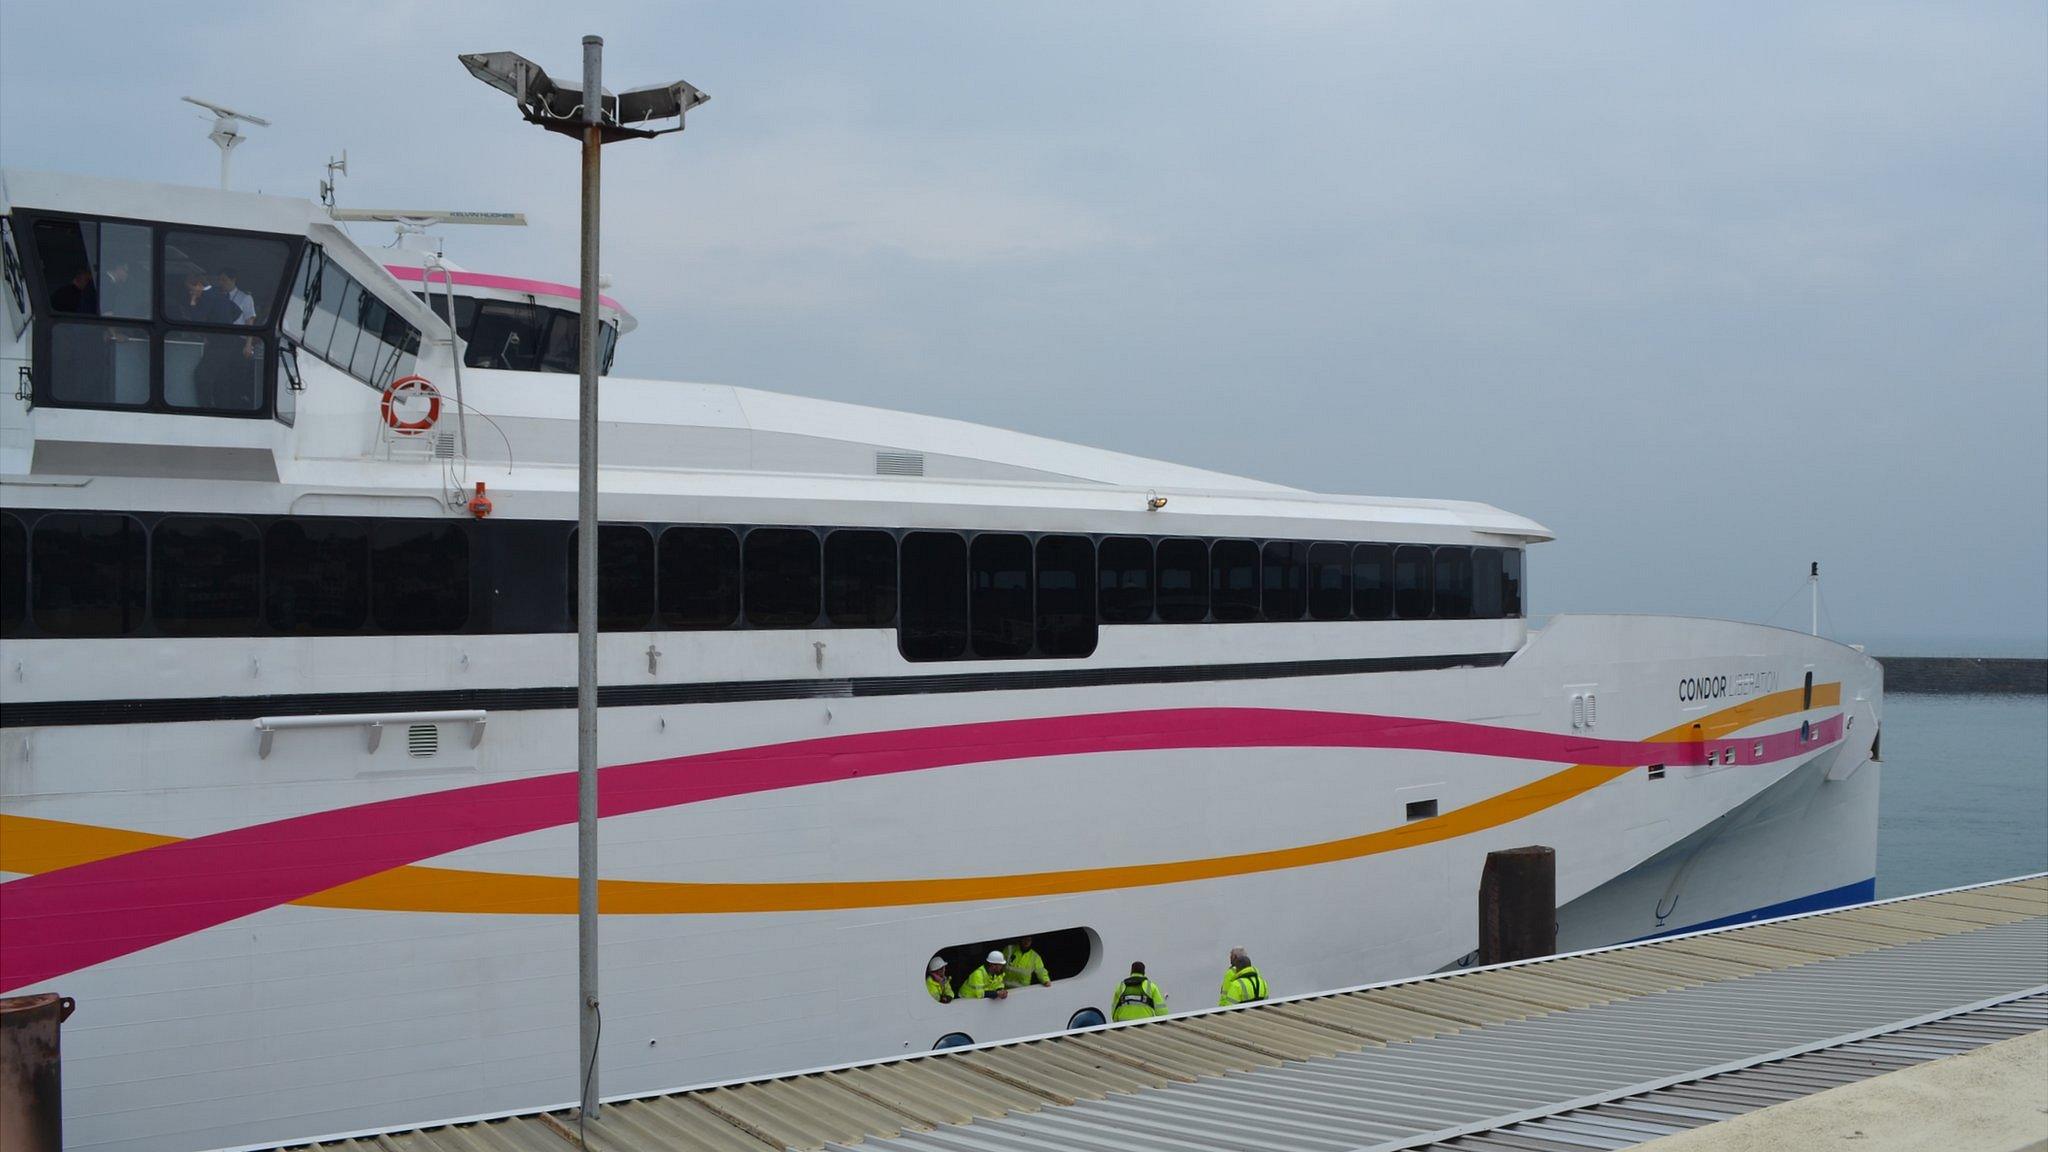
950,595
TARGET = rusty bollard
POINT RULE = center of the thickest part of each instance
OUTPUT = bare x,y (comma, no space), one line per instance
31,1092
1518,905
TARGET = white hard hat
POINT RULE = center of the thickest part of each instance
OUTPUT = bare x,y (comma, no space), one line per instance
996,958
937,963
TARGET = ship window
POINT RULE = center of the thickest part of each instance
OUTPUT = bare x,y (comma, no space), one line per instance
999,566
1283,579
242,275
1421,809
1066,952
1372,581
205,576
700,578
330,284
1329,581
860,578
1066,596
316,576
419,575
1511,583
1453,583
1234,580
625,577
13,575
223,371
1486,583
1183,581
91,268
298,301
558,350
89,574
505,335
99,364
1124,579
933,624
1411,582
781,567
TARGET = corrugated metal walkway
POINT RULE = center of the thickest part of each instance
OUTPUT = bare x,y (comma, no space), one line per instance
1631,1120
1388,1066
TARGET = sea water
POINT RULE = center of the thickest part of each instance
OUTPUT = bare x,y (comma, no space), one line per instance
1965,791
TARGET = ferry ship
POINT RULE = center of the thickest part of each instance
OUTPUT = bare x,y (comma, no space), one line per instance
287,789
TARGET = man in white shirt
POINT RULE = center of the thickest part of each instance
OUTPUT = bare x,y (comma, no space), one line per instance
244,304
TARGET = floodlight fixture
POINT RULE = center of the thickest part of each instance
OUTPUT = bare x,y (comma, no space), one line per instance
596,117
558,106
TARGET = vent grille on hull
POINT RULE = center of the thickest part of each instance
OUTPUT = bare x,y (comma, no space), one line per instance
422,740
899,463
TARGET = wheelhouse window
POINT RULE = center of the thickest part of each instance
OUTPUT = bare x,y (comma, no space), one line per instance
860,578
699,577
1124,579
1453,583
156,317
518,336
89,574
205,575
345,324
1412,582
782,577
1511,583
1329,581
1487,583
1234,580
1065,589
1283,580
934,577
1372,581
1183,581
999,568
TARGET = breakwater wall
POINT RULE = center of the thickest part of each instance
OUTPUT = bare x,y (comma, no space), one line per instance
1965,675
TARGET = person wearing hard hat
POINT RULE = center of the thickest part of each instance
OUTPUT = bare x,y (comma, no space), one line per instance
1023,966
1136,997
1242,984
986,982
935,981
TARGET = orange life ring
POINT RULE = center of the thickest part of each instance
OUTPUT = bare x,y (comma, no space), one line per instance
411,386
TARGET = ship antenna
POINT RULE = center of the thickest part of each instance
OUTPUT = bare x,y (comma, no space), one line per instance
336,169
1813,581
227,124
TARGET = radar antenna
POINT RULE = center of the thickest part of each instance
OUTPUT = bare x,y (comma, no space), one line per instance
226,132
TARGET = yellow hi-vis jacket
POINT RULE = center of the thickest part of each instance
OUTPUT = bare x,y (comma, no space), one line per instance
980,983
1242,985
1136,998
1025,968
941,990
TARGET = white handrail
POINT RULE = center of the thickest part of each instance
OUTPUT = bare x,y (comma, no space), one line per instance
372,722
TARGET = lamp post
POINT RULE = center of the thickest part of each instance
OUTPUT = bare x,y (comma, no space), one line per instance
597,117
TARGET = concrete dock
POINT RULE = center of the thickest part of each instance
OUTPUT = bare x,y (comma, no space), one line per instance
1608,1048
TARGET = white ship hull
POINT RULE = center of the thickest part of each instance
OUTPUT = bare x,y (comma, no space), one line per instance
299,1020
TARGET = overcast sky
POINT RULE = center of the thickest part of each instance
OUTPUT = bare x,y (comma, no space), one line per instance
1712,290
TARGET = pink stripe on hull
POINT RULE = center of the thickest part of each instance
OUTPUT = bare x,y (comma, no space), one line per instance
74,917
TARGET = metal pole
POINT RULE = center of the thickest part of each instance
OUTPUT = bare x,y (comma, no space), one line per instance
1813,582
586,592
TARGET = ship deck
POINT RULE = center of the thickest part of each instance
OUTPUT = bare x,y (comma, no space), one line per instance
1599,1049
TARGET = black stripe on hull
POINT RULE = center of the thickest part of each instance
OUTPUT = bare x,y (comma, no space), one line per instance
192,709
